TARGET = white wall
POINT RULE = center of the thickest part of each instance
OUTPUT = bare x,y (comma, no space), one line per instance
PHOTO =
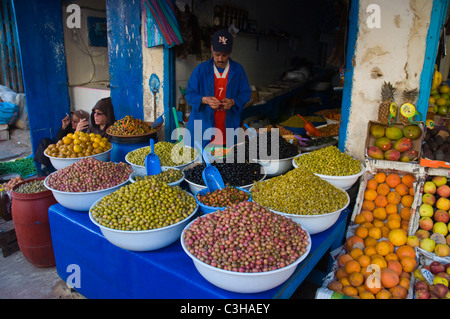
393,53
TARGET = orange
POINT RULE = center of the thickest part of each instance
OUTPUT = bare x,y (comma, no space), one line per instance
389,277
361,231
380,201
356,253
380,261
406,275
394,198
370,250
344,281
391,209
368,214
383,189
394,221
408,180
359,219
368,205
409,264
370,242
391,256
352,240
411,191
366,295
402,189
398,292
370,194
404,282
375,232
383,294
378,223
396,266
356,279
404,225
407,200
405,213
352,266
385,231
360,288
380,177
382,248
393,180
372,284
367,225
335,285
343,259
371,184
379,213
405,251
350,291
340,273
398,237
364,261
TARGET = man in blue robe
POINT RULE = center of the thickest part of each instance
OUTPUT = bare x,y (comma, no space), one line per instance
212,104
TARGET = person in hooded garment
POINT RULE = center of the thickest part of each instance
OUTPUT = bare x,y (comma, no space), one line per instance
68,125
217,91
102,117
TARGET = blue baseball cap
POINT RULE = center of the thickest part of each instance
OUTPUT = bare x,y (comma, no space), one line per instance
222,41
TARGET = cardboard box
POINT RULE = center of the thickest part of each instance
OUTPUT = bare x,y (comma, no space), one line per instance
416,145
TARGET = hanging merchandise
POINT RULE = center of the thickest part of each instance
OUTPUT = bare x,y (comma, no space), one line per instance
385,109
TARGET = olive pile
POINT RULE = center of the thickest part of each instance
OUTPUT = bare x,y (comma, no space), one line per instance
78,144
144,205
171,175
320,141
329,161
299,192
129,126
246,237
269,146
233,174
35,186
88,175
169,154
223,197
297,121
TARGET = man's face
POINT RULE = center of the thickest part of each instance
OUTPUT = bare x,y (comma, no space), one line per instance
220,59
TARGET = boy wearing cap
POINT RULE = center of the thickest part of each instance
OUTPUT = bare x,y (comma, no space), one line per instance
217,91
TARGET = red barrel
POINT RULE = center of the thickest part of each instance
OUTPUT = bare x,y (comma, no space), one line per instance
30,215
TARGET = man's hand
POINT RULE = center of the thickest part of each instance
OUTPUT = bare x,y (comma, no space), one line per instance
65,122
227,103
213,102
83,124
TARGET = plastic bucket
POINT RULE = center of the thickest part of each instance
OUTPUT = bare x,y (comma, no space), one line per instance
122,146
30,215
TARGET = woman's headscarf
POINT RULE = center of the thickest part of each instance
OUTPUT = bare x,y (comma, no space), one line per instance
105,106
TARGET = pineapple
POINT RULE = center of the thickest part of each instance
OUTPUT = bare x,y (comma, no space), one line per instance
408,97
387,97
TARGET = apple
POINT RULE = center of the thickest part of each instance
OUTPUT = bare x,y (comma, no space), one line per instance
439,180
429,187
441,216
427,244
443,190
447,239
436,267
420,278
443,203
412,241
429,199
444,275
447,271
440,228
426,210
442,250
421,284
426,223
440,290
422,294
422,233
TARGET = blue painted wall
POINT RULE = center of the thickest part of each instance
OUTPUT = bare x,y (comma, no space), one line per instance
40,32
125,57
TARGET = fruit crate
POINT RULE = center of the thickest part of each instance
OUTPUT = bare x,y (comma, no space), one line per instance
440,137
427,224
415,150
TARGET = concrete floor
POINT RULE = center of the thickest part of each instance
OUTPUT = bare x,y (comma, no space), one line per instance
19,279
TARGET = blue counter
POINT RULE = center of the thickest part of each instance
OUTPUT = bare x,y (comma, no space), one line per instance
103,270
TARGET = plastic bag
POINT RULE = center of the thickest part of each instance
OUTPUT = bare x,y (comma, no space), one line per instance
9,113
7,95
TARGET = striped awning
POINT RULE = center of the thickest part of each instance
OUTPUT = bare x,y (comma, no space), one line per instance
161,24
